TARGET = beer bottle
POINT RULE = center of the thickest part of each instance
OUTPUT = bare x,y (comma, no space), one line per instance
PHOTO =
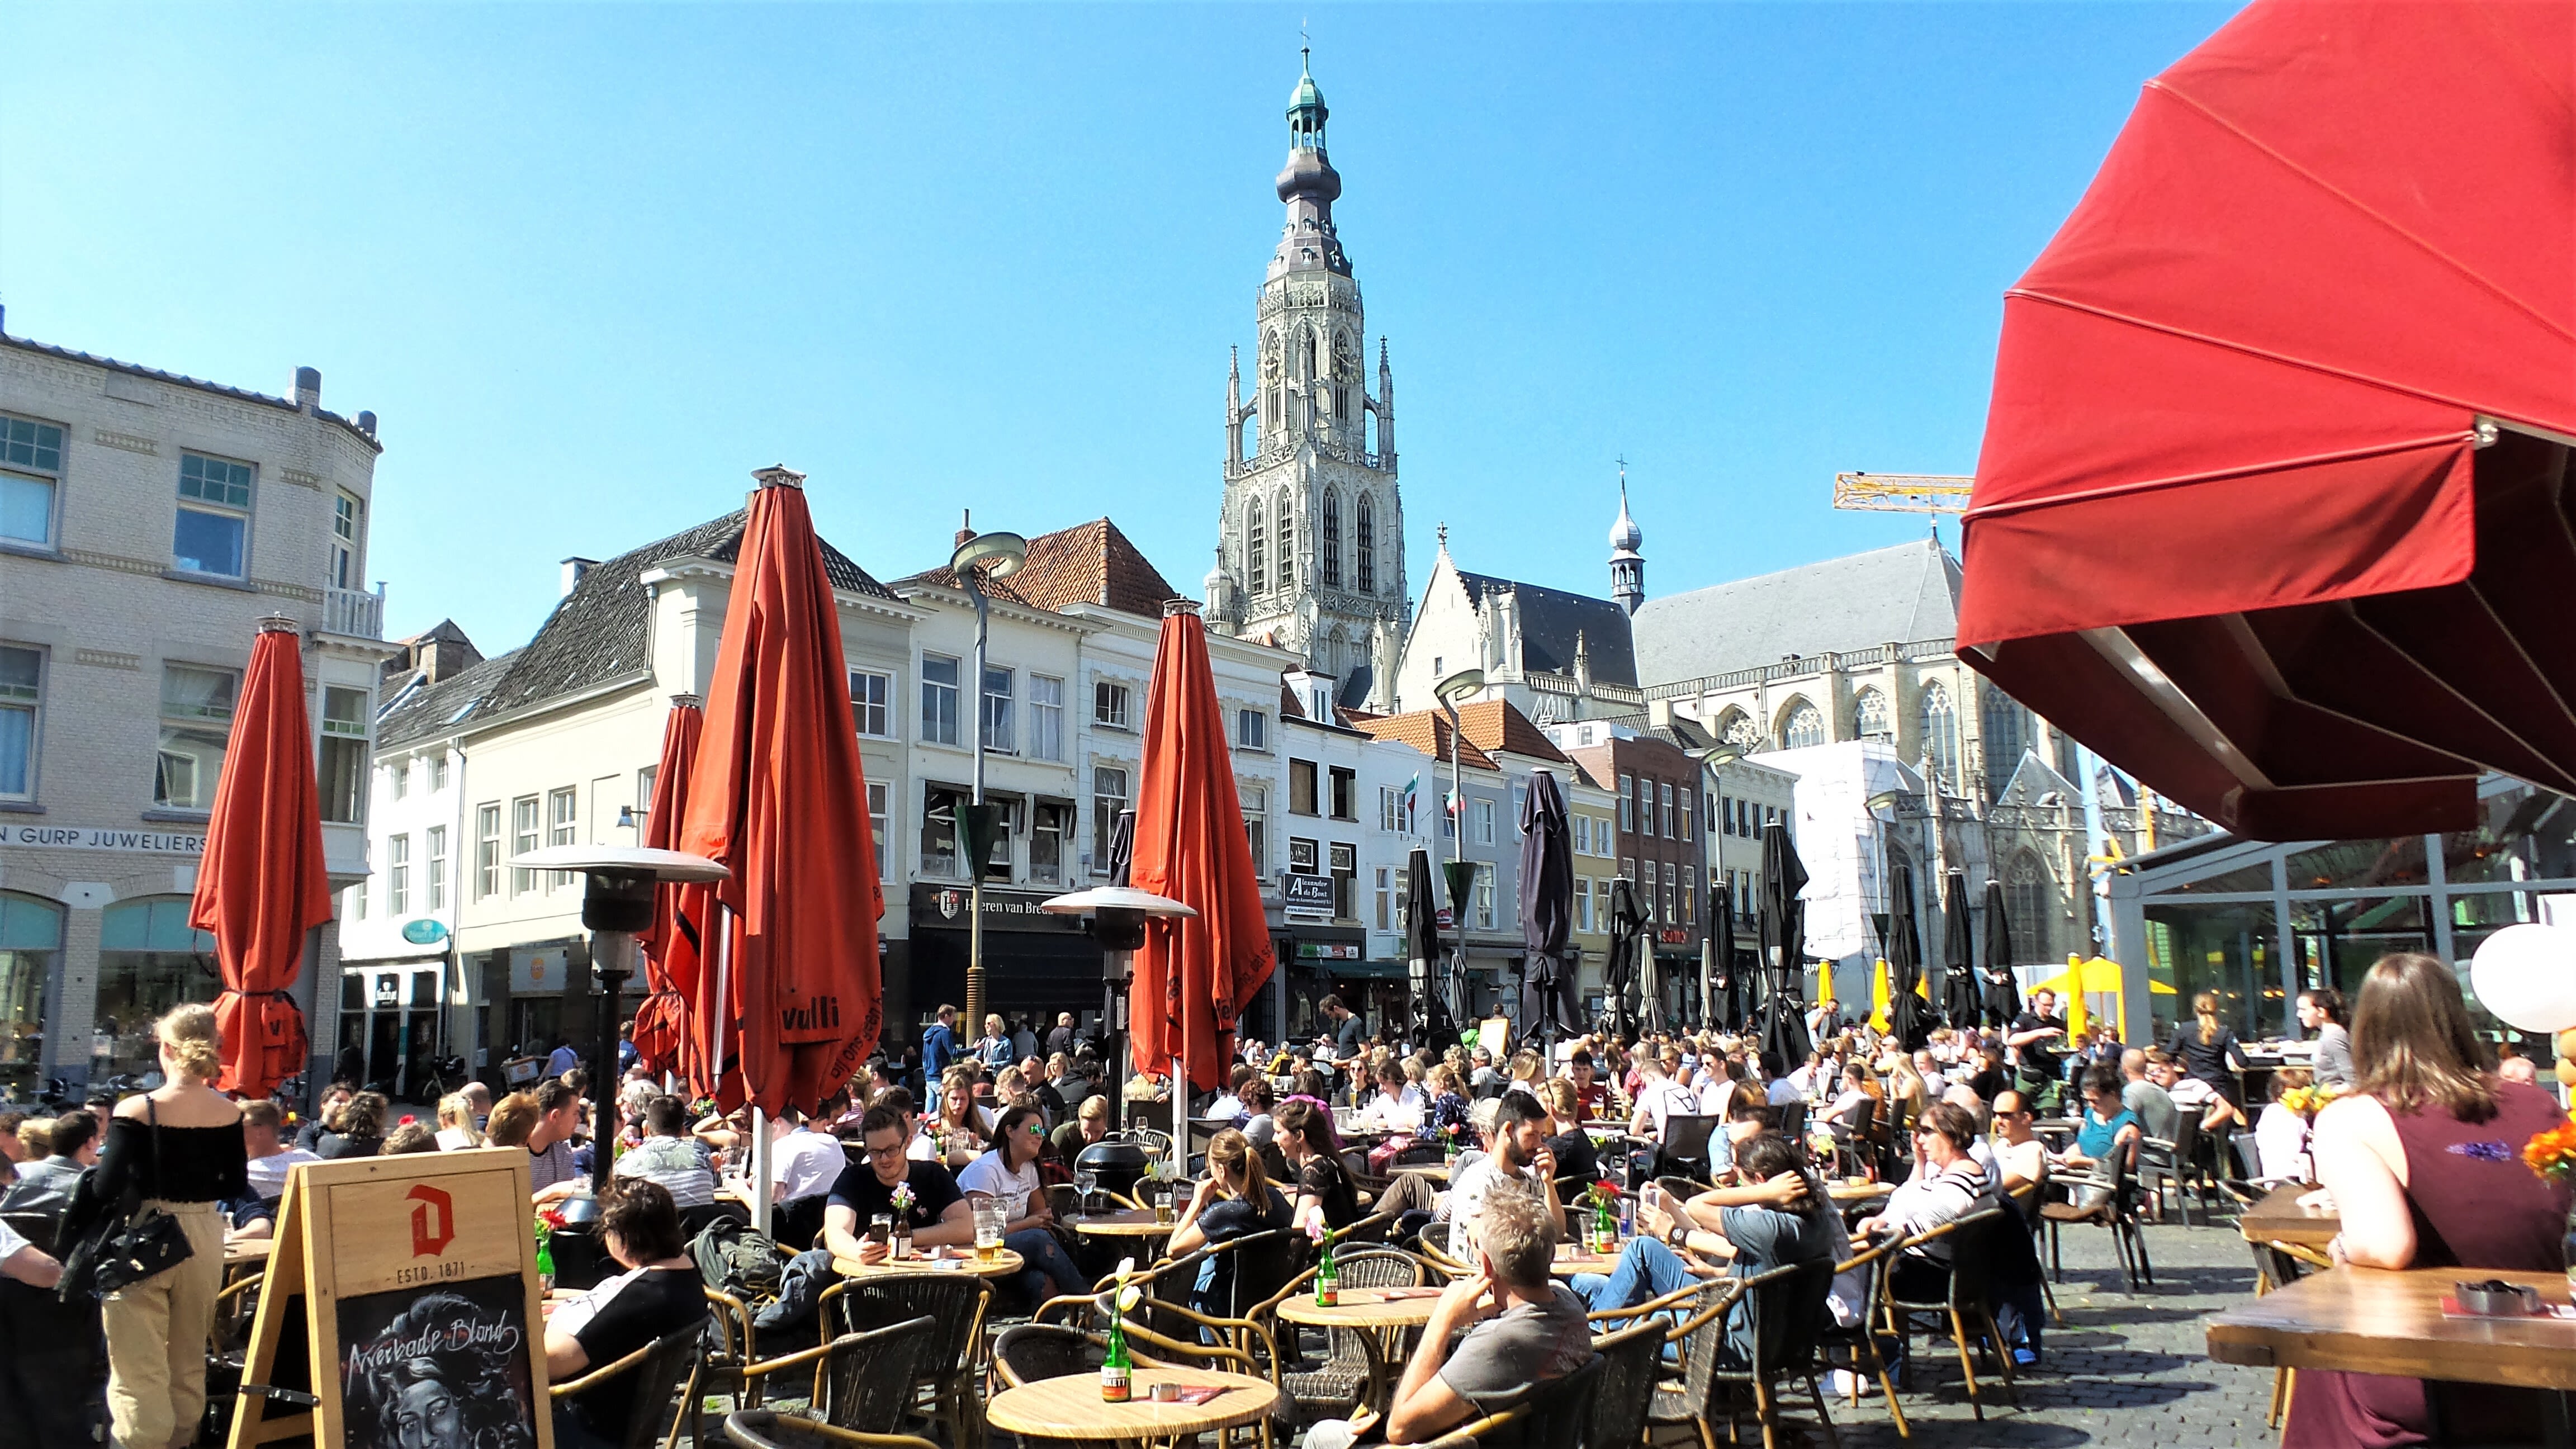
1328,1277
1117,1374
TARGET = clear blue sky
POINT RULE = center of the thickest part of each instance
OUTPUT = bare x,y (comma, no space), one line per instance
591,265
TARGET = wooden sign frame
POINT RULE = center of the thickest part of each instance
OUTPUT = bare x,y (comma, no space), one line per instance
429,1261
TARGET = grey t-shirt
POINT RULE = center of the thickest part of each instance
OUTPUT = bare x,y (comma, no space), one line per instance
1766,1238
2334,1056
2154,1107
1499,1359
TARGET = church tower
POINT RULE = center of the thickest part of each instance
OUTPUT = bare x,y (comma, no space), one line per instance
1627,566
1310,549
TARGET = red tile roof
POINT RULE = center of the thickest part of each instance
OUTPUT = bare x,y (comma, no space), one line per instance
1089,563
1426,730
1494,726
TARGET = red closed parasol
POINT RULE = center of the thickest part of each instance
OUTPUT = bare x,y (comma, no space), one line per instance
1195,974
667,1035
261,886
2271,508
778,796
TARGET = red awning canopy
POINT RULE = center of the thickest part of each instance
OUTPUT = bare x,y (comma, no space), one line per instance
2271,506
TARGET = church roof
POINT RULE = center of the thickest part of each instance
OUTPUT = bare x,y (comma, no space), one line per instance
596,634
1550,621
1495,727
1426,730
1886,596
1089,563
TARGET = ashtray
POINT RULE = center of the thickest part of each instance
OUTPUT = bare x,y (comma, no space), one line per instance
2496,1298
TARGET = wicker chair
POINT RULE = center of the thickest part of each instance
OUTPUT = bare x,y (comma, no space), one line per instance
1338,1385
761,1429
1630,1361
860,1381
1557,1414
955,1304
662,1377
1964,1299
1786,1306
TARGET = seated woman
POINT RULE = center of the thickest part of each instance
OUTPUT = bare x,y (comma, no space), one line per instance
659,1294
2109,1125
1324,1193
955,1134
1234,1200
2281,1135
361,1132
2425,1165
1009,1175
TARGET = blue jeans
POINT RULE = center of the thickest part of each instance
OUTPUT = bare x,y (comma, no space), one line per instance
1050,1270
1646,1270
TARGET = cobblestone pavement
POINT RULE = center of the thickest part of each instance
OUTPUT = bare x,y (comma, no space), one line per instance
2123,1371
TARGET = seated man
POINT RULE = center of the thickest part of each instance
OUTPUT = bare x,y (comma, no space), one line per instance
1520,1329
668,1156
46,1186
934,1209
1516,1148
659,1294
255,1215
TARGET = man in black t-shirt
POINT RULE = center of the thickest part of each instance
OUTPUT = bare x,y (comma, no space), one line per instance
938,1213
2032,1034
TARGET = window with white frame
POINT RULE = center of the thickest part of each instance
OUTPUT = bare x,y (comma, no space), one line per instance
346,511
563,827
1256,826
940,807
1251,730
1626,784
1628,866
353,902
1581,826
1671,825
1690,803
22,695
401,775
1583,903
1109,704
1645,807
213,531
435,864
1395,809
877,822
1049,822
398,875
1653,875
1046,717
871,696
31,472
1108,800
644,781
1000,689
1484,821
1690,896
938,699
1484,896
1385,896
487,850
437,773
525,820
1520,807
196,727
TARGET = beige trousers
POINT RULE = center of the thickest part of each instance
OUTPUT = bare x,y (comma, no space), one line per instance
156,1338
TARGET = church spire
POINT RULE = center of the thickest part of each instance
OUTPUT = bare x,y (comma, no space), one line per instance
1627,566
1309,185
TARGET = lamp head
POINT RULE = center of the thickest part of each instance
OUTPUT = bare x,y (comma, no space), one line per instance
1717,755
989,556
1883,800
1454,690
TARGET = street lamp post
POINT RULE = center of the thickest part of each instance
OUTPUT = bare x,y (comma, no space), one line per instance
1451,691
978,561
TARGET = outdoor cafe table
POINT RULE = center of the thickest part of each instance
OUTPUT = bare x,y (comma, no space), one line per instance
1436,1171
1125,1223
1002,1264
1378,1313
1572,1258
2371,1321
2278,1218
1070,1407
1845,1194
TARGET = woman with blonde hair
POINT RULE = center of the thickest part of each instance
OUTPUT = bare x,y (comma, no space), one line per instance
456,1124
181,1148
1234,1200
2209,1052
2425,1165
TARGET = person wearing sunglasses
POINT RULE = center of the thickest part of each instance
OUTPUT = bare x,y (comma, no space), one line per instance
1009,1175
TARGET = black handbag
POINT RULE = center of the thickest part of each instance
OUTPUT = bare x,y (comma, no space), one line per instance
126,1247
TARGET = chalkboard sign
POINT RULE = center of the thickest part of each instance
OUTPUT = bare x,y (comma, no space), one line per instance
407,1288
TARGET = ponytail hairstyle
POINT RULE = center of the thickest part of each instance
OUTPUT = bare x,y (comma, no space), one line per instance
1232,1152
188,1032
2205,1006
2328,1002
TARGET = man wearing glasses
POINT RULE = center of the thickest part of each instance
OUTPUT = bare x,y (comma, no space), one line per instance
938,1214
2019,1157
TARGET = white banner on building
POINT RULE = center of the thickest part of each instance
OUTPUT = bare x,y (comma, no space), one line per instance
95,837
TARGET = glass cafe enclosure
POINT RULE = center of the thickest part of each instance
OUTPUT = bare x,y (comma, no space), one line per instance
2258,923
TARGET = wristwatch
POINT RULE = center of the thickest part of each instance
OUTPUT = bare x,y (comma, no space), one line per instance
1677,1237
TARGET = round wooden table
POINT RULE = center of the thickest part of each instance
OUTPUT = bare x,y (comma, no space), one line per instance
240,1251
1002,1264
1436,1171
1363,1308
1070,1407
1847,1193
1126,1223
1572,1259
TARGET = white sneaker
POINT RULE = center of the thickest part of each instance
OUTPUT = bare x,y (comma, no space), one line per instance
1844,1384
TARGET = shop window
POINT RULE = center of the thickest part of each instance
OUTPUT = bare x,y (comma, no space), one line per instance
149,961
31,932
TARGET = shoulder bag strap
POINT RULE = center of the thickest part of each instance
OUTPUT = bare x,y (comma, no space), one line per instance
152,1115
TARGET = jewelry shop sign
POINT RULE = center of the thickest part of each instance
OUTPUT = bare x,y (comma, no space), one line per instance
100,837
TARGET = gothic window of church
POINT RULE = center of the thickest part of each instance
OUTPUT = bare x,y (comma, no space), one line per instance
1801,725
1330,560
2007,735
2030,905
1364,539
1737,728
1255,565
1287,544
1306,354
1941,733
1869,717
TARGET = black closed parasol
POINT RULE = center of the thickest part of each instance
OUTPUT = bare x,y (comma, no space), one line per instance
1547,913
1958,954
1909,1017
2000,1001
1785,1042
1422,949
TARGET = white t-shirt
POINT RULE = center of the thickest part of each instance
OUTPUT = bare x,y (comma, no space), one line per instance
1011,1189
1467,1194
456,1139
805,1163
1660,1099
1714,1095
268,1174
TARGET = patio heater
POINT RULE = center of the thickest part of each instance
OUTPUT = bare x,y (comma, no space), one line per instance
1116,917
979,559
617,906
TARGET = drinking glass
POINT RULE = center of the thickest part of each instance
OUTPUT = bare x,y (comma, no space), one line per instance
988,1230
1162,1205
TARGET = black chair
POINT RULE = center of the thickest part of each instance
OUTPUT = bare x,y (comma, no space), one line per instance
1684,1150
955,1304
1630,1361
1858,1344
2106,1198
2175,1166
1793,1121
861,1381
1787,1309
762,1429
661,1378
1556,1414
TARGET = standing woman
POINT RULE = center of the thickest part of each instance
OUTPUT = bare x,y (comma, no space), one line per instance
2209,1053
2425,1164
181,1148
